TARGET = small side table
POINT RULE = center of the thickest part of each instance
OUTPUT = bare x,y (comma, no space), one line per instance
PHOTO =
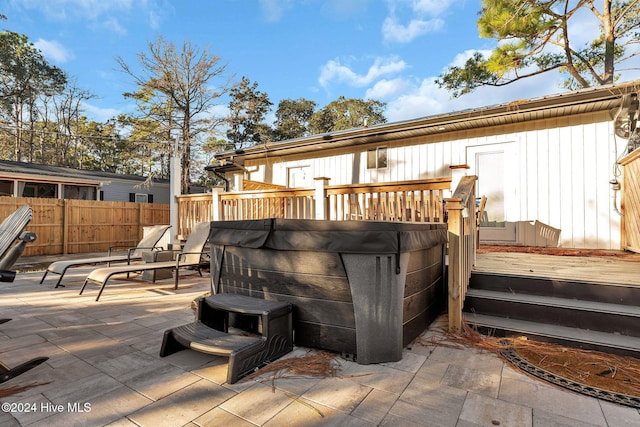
157,256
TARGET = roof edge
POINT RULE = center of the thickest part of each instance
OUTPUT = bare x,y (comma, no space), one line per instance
515,107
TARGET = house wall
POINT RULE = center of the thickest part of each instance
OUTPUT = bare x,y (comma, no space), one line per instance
118,190
558,171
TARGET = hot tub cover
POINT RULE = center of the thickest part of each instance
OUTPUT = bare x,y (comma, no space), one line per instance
328,236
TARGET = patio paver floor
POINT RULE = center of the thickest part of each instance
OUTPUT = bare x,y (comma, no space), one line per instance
105,355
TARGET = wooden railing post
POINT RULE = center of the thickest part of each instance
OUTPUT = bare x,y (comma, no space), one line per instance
216,206
321,198
461,221
456,268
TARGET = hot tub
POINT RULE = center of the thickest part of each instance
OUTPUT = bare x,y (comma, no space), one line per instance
362,288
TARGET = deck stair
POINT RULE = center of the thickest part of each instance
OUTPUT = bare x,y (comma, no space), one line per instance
270,322
589,315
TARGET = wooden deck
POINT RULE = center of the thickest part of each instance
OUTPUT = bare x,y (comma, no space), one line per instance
601,269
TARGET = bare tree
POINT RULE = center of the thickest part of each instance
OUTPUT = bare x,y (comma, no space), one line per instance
182,79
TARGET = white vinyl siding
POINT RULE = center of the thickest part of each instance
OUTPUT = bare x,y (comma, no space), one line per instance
562,171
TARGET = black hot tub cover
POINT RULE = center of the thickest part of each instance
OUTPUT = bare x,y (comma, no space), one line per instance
328,236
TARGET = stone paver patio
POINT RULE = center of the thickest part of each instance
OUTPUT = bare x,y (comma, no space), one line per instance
104,369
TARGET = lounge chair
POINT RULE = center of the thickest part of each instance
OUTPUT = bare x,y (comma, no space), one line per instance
190,256
7,373
11,229
148,242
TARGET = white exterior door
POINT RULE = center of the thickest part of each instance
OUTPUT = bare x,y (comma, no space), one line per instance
493,165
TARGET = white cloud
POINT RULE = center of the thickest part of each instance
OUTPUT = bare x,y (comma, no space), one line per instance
99,13
394,32
99,114
53,50
385,89
428,99
113,26
460,59
86,9
430,7
273,10
333,71
423,17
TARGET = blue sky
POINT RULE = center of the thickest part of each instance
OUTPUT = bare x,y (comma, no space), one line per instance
389,50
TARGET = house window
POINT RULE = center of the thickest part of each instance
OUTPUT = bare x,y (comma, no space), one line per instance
42,190
78,192
377,158
139,198
6,188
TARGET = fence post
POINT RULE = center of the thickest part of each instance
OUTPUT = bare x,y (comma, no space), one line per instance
456,274
216,207
140,221
65,226
321,199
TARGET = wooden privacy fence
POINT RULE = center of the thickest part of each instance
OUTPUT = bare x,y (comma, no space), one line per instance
77,226
631,202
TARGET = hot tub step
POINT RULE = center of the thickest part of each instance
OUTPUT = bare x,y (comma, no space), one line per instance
209,333
244,353
200,337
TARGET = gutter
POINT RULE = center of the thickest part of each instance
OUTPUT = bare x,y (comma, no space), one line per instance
213,169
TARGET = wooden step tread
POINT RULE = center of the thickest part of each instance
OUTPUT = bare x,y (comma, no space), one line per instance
200,337
236,303
575,304
603,339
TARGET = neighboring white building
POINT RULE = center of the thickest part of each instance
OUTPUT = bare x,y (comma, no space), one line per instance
21,179
550,159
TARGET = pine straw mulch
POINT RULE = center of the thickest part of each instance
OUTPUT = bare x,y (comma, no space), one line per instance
604,371
610,372
315,364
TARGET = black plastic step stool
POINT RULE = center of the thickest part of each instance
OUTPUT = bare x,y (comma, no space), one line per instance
209,333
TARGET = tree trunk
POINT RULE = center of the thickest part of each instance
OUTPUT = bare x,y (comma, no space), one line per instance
609,43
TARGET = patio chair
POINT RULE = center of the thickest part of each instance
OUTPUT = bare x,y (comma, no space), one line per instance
12,229
7,373
148,242
190,256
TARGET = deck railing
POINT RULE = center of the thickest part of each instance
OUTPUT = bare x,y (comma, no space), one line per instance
192,209
463,241
405,201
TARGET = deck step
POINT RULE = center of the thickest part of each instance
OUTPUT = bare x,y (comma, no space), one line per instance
573,337
591,315
611,293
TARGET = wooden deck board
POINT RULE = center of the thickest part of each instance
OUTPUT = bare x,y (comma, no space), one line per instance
609,270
